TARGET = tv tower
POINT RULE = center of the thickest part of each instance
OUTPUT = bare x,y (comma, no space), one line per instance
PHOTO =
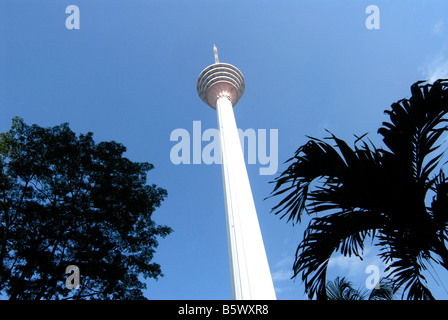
221,85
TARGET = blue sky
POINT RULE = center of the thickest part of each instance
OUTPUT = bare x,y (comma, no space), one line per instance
129,74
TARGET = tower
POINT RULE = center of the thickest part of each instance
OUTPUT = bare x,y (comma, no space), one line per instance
221,85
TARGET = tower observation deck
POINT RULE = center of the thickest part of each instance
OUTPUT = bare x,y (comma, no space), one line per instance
218,80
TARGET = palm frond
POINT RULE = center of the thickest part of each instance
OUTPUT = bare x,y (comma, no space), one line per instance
367,190
416,126
312,161
344,232
385,290
321,175
342,289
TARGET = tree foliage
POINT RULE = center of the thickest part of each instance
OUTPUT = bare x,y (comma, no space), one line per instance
398,195
342,289
66,200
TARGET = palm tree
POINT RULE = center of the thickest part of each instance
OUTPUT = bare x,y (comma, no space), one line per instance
342,289
374,192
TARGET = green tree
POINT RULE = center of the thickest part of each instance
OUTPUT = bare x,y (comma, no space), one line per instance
342,289
398,195
66,200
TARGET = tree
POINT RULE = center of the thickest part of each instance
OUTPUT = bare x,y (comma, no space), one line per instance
342,289
397,195
66,200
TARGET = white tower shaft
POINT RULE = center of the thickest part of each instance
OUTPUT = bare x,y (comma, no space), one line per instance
251,277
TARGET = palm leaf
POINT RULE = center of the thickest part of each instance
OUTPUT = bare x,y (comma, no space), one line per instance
344,232
383,192
342,289
384,292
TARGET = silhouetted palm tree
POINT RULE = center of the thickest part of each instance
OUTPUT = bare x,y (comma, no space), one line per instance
342,289
369,191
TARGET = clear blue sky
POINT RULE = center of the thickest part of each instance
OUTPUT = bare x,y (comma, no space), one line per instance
129,74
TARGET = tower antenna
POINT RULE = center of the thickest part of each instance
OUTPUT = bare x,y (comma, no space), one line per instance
215,52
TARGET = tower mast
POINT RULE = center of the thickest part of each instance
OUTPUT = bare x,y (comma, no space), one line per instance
221,85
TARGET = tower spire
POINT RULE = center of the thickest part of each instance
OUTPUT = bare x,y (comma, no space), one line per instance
215,52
